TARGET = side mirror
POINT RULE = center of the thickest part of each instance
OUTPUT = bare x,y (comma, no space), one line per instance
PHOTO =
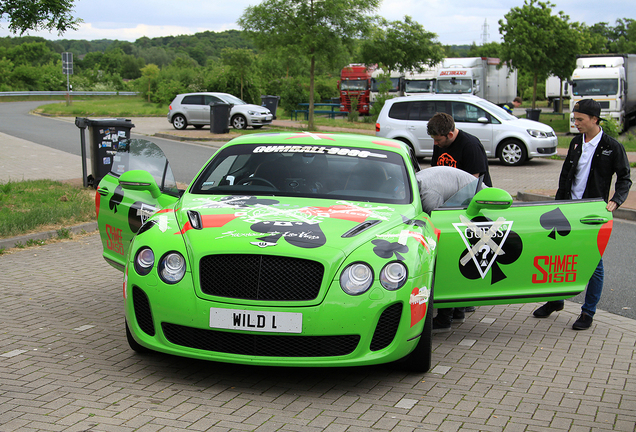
139,180
482,120
489,199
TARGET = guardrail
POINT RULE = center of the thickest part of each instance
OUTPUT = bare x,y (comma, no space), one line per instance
72,93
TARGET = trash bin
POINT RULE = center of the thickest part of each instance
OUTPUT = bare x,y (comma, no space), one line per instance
220,117
557,105
271,103
105,136
533,114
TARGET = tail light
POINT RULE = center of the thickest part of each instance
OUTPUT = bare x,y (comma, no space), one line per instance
377,127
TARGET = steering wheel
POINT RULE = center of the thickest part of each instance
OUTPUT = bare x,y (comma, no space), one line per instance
257,179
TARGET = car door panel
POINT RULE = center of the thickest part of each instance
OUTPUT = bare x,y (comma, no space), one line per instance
526,253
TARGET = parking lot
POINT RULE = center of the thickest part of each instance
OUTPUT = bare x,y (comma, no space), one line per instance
65,365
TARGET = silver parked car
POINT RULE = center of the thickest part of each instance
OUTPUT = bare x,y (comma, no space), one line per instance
194,109
504,136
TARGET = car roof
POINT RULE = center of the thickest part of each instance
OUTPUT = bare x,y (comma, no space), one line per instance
440,97
319,139
204,93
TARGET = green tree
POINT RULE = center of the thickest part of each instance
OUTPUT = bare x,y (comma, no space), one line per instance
531,37
315,29
401,46
241,61
24,15
149,74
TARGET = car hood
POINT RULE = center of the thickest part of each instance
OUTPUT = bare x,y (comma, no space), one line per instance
250,107
530,124
287,226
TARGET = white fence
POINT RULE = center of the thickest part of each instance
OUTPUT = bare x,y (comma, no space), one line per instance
64,93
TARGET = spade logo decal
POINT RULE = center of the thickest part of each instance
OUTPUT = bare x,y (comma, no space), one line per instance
489,244
555,222
116,199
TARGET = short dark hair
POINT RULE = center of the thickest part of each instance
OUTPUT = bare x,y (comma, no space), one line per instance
441,124
518,99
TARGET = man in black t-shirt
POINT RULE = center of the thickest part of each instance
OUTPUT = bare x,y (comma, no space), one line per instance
457,149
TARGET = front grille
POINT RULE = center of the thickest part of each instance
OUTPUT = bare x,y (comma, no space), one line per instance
604,104
260,344
260,277
143,315
387,327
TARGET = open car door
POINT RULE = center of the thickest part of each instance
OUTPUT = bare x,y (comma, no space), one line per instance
492,251
139,184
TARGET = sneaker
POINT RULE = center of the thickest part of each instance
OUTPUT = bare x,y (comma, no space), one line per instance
583,322
459,315
440,326
469,309
545,310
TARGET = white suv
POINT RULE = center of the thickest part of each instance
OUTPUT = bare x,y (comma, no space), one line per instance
512,140
194,109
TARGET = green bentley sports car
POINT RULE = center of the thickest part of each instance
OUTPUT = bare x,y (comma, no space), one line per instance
312,249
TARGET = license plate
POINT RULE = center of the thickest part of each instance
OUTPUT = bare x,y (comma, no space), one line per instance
268,118
234,319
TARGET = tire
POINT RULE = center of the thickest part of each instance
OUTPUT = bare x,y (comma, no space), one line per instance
419,360
512,153
134,345
179,122
239,122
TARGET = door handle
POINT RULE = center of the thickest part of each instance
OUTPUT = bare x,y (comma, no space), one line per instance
594,220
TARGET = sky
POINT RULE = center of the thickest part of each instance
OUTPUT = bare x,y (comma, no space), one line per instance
456,22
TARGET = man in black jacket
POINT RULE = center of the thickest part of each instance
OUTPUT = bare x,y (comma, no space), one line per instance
592,160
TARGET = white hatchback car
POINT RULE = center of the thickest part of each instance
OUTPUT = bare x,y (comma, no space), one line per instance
504,136
194,109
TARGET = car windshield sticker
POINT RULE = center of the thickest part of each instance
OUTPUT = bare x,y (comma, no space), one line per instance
488,244
361,153
386,249
418,299
555,222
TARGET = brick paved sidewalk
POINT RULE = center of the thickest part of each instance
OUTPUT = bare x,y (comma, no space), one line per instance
65,366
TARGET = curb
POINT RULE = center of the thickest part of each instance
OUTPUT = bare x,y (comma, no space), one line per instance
619,213
9,243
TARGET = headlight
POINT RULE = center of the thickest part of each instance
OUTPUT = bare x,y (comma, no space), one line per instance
172,267
144,260
254,113
393,275
356,279
537,133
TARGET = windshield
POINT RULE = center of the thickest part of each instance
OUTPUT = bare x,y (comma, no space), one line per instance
231,99
456,85
496,110
354,85
418,86
375,84
139,154
593,87
352,174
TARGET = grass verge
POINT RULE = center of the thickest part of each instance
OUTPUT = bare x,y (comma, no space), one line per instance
36,205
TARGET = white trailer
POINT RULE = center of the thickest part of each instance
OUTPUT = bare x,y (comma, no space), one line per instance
556,88
485,77
609,79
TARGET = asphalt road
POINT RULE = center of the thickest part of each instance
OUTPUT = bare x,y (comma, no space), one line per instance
187,158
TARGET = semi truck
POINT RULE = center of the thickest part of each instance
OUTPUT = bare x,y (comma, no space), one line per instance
355,82
480,76
416,83
397,84
609,79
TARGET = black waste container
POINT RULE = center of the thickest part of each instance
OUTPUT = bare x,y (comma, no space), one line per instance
220,117
105,136
557,105
271,103
533,114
